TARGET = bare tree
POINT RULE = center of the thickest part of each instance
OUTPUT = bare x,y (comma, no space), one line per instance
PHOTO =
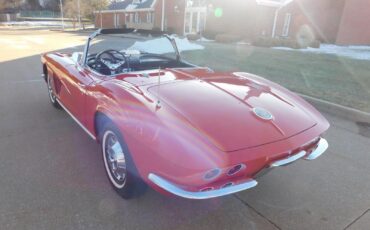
87,8
31,4
51,5
10,4
100,5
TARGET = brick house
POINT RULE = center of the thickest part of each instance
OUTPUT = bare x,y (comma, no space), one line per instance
332,21
354,25
321,16
143,14
7,15
344,22
248,18
187,16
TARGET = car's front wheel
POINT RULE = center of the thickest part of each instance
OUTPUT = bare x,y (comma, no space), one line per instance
119,165
53,98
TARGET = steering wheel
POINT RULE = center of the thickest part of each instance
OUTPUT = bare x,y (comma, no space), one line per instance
109,59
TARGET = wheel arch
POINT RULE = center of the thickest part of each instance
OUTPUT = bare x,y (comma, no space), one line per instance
45,71
100,118
115,109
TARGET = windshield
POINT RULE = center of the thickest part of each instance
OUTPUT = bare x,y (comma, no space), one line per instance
123,53
133,44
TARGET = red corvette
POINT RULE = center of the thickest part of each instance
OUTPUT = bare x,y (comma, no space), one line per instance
182,129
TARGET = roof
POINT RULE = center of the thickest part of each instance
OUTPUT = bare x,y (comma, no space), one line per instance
274,3
9,11
131,4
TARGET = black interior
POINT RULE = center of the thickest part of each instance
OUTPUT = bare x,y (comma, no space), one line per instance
106,63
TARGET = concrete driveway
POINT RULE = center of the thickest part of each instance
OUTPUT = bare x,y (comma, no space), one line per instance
52,175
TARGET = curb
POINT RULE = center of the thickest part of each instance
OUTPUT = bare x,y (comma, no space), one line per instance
338,110
68,30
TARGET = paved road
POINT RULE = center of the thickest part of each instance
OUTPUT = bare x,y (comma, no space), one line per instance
52,176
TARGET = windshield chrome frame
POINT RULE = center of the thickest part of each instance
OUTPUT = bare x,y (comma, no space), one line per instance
99,32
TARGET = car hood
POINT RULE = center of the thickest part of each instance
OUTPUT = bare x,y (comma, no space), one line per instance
233,112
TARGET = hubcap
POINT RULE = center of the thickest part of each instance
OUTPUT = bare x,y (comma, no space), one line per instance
114,159
51,93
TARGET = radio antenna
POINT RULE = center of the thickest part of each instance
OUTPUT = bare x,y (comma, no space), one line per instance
158,88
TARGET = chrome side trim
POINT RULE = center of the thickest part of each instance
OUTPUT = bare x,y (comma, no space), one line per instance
288,160
171,188
321,148
75,119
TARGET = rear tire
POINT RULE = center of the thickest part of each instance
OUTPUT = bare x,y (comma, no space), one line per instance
52,97
118,163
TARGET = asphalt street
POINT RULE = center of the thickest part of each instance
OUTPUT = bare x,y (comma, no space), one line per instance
52,175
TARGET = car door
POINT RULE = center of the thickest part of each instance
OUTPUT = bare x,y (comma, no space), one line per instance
73,97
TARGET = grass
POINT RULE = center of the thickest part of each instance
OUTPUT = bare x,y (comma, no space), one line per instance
340,80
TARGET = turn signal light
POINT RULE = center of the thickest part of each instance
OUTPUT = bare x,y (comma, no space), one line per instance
212,174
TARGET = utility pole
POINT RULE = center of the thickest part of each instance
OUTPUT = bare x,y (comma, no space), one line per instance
79,13
61,12
163,14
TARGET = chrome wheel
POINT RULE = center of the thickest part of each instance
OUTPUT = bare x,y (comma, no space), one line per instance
114,159
51,93
119,166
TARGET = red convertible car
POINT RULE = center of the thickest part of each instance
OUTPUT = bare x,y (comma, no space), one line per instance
179,128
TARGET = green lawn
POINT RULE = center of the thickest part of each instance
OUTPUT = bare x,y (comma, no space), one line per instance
341,80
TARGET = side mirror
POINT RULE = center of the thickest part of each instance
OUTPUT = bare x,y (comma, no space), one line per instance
76,57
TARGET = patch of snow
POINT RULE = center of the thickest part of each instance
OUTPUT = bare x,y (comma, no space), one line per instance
203,39
284,48
359,47
163,45
32,23
353,52
243,43
131,7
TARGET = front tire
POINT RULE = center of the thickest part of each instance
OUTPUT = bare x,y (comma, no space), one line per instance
52,97
119,166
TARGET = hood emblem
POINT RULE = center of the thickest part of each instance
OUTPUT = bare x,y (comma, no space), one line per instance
263,114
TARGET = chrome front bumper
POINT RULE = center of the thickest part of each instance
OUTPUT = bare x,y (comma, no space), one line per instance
176,190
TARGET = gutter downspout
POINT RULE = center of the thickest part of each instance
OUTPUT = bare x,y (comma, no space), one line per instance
163,8
101,19
79,13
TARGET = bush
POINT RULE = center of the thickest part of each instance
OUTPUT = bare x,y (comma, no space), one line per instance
315,44
227,38
193,37
171,30
209,34
305,36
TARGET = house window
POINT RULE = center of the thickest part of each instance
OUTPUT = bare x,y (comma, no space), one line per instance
137,18
149,17
196,3
131,18
287,20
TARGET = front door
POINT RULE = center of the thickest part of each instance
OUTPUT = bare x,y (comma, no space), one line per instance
195,20
74,80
